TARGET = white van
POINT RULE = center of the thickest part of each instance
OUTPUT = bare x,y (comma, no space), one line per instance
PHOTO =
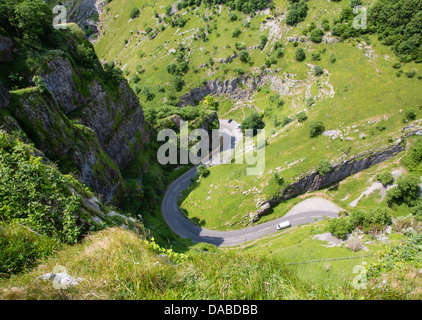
283,225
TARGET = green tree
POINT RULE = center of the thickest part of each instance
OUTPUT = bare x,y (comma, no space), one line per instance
300,54
33,19
235,32
203,171
301,116
316,35
254,122
244,56
134,13
318,71
316,128
323,167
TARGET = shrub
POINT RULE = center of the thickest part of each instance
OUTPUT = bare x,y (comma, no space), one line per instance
371,220
316,35
409,115
178,83
36,194
203,171
410,74
232,16
300,54
340,227
254,122
301,116
409,187
244,56
408,250
235,32
134,13
39,82
318,71
297,12
407,191
316,128
263,42
412,161
323,167
385,178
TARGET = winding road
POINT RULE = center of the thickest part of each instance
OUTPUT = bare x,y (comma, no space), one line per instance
308,211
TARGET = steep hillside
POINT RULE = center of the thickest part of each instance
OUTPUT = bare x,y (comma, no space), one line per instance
128,267
79,113
362,92
340,106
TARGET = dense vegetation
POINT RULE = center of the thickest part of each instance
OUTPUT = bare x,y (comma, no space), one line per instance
397,23
36,194
372,220
245,6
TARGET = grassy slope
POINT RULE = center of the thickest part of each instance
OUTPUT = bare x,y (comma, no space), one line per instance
116,264
366,90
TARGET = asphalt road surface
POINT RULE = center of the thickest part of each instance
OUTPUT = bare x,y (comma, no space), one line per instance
308,211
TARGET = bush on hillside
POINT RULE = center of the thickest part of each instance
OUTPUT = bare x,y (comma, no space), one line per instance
36,194
407,191
253,122
323,167
318,71
301,116
203,171
385,178
244,56
300,54
316,35
134,13
316,128
296,12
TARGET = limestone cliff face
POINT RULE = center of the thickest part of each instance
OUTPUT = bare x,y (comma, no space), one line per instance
4,96
88,127
117,117
6,45
241,88
312,181
75,148
82,12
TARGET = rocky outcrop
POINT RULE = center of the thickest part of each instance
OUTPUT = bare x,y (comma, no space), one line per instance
234,89
313,181
117,118
4,96
75,148
241,88
59,78
92,127
84,12
263,210
6,45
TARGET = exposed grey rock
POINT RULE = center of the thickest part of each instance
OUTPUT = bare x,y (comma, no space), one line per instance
58,79
61,279
255,216
312,181
4,96
82,12
77,145
6,45
241,88
119,123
